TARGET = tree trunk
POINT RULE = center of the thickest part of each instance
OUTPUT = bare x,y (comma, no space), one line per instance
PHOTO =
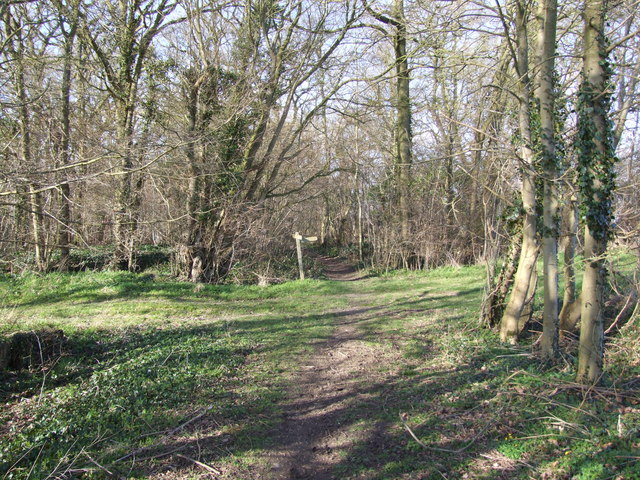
403,128
64,236
591,350
123,213
509,330
35,207
16,46
530,302
568,319
135,24
193,268
494,302
544,93
595,147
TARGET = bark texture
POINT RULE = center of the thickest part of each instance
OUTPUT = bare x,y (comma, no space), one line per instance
570,305
596,182
544,94
509,327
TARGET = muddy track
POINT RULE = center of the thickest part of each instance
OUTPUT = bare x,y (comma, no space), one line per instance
331,386
336,268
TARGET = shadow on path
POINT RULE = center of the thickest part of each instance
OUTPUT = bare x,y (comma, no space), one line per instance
336,268
340,415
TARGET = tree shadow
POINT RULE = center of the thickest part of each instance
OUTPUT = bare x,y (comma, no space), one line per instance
92,288
384,450
154,420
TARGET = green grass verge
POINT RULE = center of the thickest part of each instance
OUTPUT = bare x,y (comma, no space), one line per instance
144,354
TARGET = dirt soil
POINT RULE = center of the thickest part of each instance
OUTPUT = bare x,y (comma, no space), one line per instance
337,379
336,268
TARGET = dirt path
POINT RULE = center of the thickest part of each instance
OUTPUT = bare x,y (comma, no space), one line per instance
336,268
337,382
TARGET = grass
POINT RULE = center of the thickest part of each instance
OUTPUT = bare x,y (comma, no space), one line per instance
144,354
155,366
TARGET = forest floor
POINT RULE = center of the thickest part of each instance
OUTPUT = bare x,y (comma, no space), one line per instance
353,377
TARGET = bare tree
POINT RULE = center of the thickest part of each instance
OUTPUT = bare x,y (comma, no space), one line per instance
403,136
135,24
18,28
68,19
247,114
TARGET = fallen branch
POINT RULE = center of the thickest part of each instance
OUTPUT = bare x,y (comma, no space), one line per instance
619,316
208,468
98,465
437,449
162,454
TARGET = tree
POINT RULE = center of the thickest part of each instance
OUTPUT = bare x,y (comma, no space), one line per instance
521,292
403,136
135,24
570,313
68,19
21,34
544,93
247,115
212,127
596,160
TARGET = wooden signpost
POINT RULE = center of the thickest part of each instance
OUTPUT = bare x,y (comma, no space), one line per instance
300,239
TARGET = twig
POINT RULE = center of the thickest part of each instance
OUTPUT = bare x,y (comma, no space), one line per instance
169,432
208,468
490,457
54,474
622,310
135,452
447,450
545,398
165,360
585,389
97,464
36,460
514,355
44,373
79,471
159,455
191,420
587,393
6,475
441,474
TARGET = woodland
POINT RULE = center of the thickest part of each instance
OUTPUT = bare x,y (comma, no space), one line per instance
407,134
493,143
